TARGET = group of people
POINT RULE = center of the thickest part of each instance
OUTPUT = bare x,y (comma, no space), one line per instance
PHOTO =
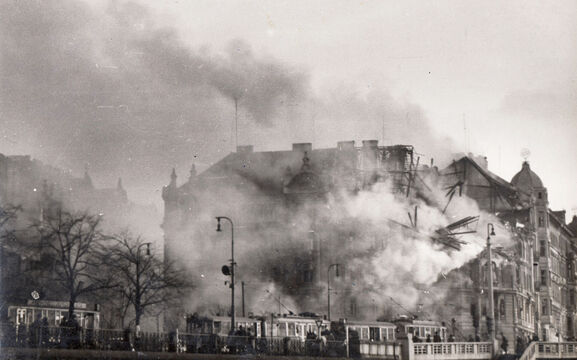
40,334
435,338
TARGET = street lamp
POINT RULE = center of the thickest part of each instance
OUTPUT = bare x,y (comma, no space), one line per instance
232,264
336,266
137,285
490,320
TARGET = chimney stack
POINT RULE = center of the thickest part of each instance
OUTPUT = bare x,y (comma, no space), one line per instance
302,147
346,145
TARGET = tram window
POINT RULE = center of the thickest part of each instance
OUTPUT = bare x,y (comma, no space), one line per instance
365,333
282,330
217,326
52,318
291,329
21,316
375,334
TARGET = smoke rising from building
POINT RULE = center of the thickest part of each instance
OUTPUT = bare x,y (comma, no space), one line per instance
384,258
108,87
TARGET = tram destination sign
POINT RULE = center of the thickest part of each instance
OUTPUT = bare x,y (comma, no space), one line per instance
55,304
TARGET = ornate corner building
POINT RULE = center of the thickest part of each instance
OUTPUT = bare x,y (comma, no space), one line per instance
533,277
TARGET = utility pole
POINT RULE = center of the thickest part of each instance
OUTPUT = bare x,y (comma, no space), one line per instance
232,265
336,266
243,314
491,314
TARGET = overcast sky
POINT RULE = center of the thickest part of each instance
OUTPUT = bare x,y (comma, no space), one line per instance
505,71
489,77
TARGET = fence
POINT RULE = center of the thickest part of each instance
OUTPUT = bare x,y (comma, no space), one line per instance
456,350
565,350
77,338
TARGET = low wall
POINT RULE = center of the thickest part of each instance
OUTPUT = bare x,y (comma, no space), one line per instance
64,354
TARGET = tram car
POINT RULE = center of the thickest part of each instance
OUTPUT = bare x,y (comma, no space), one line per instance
422,330
220,325
291,326
55,312
365,338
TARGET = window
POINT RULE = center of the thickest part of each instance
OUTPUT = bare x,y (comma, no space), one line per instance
502,309
540,195
542,248
282,329
375,333
291,329
541,220
544,277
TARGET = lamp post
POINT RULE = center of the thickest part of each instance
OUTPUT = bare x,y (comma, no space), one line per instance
137,285
491,320
232,264
336,266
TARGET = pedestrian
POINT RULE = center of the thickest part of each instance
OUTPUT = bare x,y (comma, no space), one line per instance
64,333
504,343
44,331
74,329
34,332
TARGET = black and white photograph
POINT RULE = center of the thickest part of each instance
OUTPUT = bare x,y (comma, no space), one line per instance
275,179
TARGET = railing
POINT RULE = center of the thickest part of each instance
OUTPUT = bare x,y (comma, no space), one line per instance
564,350
368,348
77,338
452,350
530,352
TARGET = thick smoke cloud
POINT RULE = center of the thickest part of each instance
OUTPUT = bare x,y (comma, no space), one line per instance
113,90
110,88
384,263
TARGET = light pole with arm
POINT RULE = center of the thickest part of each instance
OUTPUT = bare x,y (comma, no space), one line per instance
336,266
232,264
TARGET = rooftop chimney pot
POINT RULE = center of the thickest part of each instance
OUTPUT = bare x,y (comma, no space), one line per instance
370,143
346,145
302,147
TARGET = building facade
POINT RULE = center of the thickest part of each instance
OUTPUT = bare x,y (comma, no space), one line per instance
534,276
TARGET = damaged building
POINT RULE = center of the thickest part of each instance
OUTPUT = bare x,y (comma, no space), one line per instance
283,205
280,199
533,279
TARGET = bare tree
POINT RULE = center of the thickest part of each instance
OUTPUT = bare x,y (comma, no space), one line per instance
8,215
146,280
76,245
